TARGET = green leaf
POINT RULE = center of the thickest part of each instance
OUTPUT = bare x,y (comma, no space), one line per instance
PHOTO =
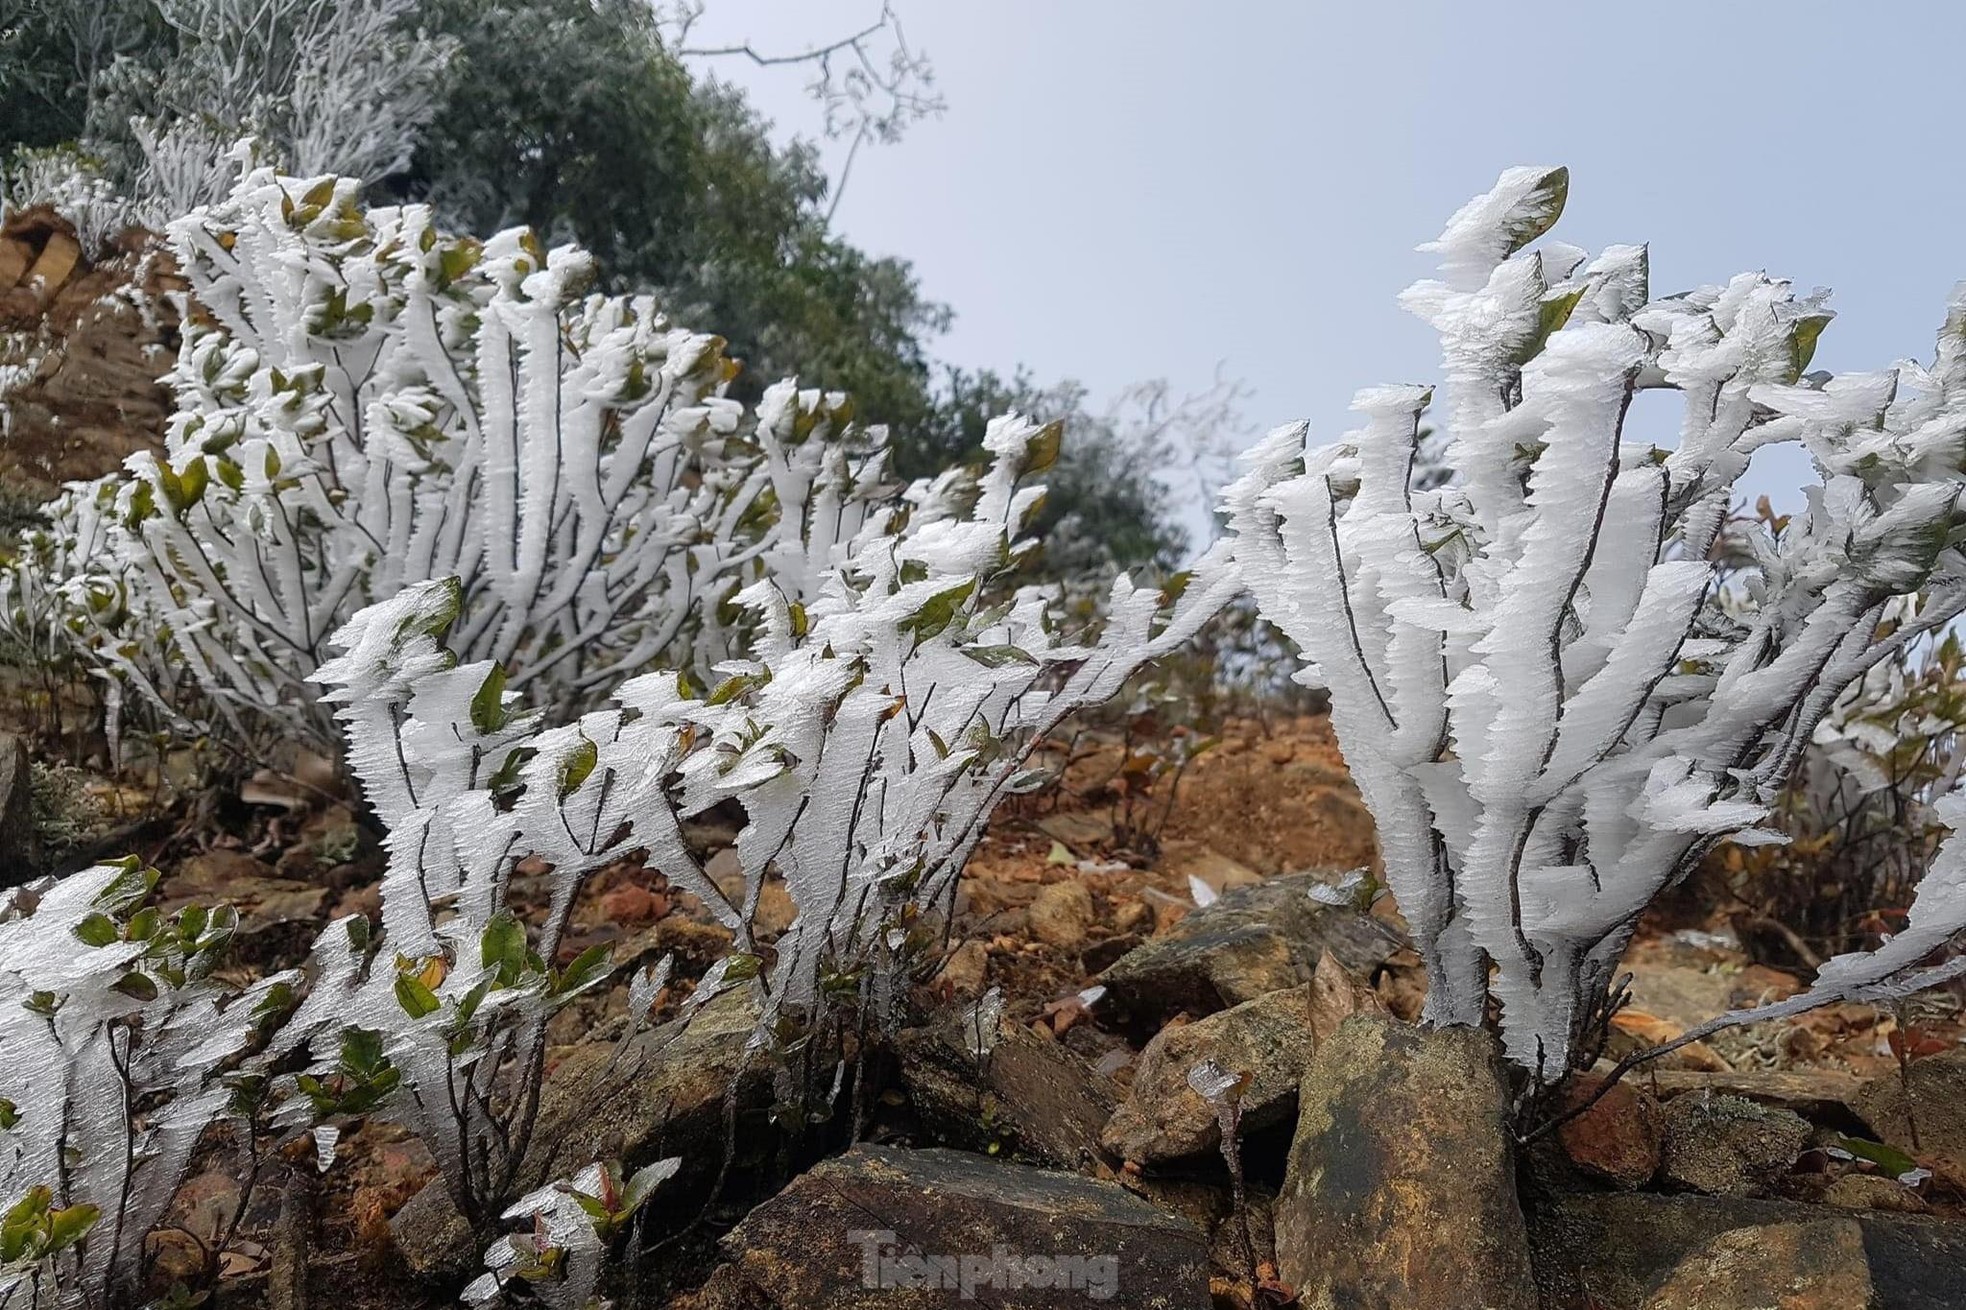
69,1225
191,922
1803,336
1552,312
939,611
1888,1158
578,766
733,687
1043,450
98,929
468,1006
318,195
416,999
505,778
503,946
138,986
488,705
361,1052
1537,212
130,885
192,481
457,260
586,969
995,657
9,1114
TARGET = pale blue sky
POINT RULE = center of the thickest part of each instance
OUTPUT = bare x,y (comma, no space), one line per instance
1124,189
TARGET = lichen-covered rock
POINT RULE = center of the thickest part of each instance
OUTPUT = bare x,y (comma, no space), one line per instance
1249,942
1729,1146
1400,1188
881,1228
1800,1266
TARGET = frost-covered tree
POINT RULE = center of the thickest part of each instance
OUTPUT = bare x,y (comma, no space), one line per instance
1552,702
890,700
167,88
365,403
115,1050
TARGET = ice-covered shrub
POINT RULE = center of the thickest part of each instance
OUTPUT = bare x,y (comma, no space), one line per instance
557,1261
1550,702
866,737
1859,810
71,183
115,1046
363,403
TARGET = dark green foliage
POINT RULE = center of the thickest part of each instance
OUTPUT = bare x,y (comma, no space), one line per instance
50,55
569,116
1104,479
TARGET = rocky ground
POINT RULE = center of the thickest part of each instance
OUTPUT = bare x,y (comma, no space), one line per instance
1814,1163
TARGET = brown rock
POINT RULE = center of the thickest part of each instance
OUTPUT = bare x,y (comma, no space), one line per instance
1400,1188
1133,917
1819,1095
15,256
886,1229
1811,1266
1185,858
53,265
1029,1098
1873,1192
776,909
1922,1111
1270,1038
966,972
1612,1251
662,1095
16,813
1251,941
1061,914
1727,1146
1619,1137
